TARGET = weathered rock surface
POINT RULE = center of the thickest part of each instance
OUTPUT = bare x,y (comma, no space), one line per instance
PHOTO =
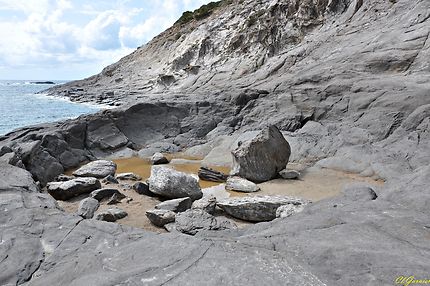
128,176
158,159
87,207
161,217
172,184
261,158
111,215
176,205
69,189
97,169
207,203
238,184
195,220
101,194
259,208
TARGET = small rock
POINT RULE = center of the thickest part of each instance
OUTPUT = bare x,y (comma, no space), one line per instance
126,186
88,207
97,169
259,208
172,184
160,217
176,205
288,210
111,215
110,180
195,220
129,177
208,174
289,174
238,184
100,194
114,199
128,200
69,189
143,189
208,204
158,159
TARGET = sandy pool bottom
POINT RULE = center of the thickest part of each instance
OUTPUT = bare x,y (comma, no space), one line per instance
315,184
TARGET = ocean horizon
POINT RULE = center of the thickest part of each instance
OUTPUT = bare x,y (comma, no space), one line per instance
22,104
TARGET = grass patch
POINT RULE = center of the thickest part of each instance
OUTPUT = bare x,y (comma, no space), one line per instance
202,12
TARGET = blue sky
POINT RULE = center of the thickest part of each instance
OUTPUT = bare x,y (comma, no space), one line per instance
73,39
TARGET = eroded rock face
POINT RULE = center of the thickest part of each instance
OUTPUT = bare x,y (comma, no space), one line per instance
69,189
97,169
172,184
238,184
261,158
207,203
259,208
195,220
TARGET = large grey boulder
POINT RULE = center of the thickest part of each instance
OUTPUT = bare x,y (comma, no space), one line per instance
13,177
172,184
160,217
87,207
261,158
259,208
97,169
238,184
176,205
195,220
69,189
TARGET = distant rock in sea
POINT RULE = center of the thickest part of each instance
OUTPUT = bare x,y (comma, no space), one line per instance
42,82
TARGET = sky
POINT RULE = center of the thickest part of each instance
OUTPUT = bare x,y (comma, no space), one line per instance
73,39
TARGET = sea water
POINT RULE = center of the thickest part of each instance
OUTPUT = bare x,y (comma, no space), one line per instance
21,106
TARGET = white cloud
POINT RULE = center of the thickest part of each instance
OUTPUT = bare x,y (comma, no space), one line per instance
43,34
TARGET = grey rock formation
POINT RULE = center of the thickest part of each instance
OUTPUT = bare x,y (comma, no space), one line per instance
97,169
238,184
172,184
87,207
196,220
207,203
259,208
101,194
176,205
111,215
110,180
128,176
158,159
12,177
69,189
161,217
261,158
289,174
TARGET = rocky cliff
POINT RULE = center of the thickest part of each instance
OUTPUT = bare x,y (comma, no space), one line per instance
348,83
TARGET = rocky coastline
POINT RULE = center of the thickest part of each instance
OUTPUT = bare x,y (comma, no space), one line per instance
362,108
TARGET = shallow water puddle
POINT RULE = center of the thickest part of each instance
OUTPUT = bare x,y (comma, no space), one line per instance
142,167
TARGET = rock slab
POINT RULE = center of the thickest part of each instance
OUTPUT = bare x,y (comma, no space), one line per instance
160,217
69,189
238,184
97,169
195,220
259,208
88,207
176,205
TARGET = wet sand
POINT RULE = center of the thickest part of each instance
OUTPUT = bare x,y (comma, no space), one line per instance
315,184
